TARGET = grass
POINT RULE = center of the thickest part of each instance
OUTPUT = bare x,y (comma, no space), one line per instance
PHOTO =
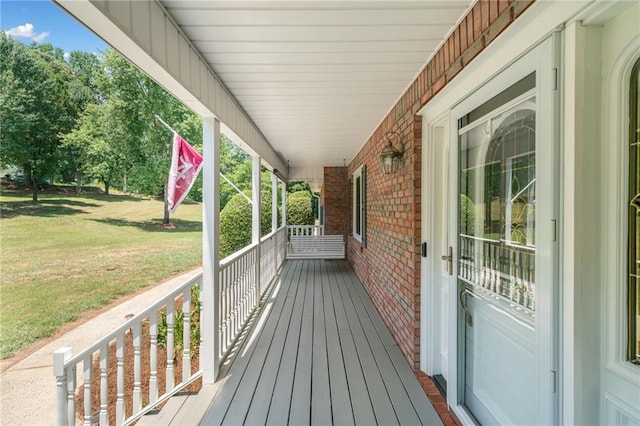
68,255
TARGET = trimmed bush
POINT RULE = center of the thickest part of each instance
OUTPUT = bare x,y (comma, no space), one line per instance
235,223
299,210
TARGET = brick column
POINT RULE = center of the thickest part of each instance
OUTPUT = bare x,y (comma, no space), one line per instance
336,200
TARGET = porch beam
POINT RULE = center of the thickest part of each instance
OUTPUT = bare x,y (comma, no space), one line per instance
210,249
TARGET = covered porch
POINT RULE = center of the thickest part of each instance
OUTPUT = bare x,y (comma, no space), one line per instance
316,353
314,91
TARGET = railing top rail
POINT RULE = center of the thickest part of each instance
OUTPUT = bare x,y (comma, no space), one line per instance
235,256
129,323
500,241
268,236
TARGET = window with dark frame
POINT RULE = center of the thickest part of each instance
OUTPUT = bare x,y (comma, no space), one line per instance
633,242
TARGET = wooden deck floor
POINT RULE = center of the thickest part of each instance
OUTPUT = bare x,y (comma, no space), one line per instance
317,354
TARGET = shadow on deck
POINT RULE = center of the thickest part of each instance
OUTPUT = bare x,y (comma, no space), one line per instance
317,353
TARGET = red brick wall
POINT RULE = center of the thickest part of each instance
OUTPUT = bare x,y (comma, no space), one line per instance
335,196
389,266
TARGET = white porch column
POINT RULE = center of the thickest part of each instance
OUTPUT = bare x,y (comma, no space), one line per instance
255,224
209,293
284,204
274,202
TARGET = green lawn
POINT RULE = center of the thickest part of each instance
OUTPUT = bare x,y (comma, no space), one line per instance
68,255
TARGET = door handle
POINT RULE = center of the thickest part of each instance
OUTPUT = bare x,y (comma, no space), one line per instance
449,258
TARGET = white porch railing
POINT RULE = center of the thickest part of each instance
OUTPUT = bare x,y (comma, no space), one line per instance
295,230
163,314
310,242
240,294
240,288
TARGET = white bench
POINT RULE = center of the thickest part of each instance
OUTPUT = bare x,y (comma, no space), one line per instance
316,247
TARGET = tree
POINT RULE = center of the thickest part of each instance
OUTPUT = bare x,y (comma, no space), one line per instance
136,100
95,140
84,91
298,186
35,108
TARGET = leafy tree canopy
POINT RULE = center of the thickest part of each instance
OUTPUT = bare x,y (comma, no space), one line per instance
36,107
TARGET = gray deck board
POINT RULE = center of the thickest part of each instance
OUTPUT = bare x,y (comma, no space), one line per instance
319,356
266,383
321,394
381,403
301,397
281,398
403,407
339,389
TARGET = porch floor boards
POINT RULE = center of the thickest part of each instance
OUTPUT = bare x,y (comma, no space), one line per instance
318,353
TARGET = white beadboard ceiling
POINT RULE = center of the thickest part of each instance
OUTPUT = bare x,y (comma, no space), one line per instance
317,77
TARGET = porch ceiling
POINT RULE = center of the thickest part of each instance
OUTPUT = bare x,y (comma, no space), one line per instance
316,77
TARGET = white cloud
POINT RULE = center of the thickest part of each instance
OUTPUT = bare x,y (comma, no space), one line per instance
66,56
27,31
40,37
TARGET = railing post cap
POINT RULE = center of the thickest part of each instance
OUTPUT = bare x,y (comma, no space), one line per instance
60,356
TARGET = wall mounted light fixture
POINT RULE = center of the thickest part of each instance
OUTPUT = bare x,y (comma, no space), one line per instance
390,157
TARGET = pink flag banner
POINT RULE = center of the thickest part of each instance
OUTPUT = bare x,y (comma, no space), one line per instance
186,163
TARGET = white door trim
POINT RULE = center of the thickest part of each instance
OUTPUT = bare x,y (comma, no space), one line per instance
431,265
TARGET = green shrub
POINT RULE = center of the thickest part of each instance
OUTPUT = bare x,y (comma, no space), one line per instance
178,326
467,215
299,210
235,223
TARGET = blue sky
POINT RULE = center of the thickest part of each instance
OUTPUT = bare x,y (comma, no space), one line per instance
44,22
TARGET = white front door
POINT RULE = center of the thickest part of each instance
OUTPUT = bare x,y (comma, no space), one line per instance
503,205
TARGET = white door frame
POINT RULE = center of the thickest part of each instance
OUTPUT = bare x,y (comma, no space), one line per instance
431,265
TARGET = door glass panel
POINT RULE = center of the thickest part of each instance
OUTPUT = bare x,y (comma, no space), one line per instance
496,262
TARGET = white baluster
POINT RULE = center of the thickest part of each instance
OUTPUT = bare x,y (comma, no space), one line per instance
224,310
71,395
186,334
104,388
153,357
233,298
137,368
170,345
120,379
86,376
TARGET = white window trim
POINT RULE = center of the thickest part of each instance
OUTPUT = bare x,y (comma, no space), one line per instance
359,235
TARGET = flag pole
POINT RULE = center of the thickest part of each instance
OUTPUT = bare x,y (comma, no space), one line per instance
157,117
249,200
